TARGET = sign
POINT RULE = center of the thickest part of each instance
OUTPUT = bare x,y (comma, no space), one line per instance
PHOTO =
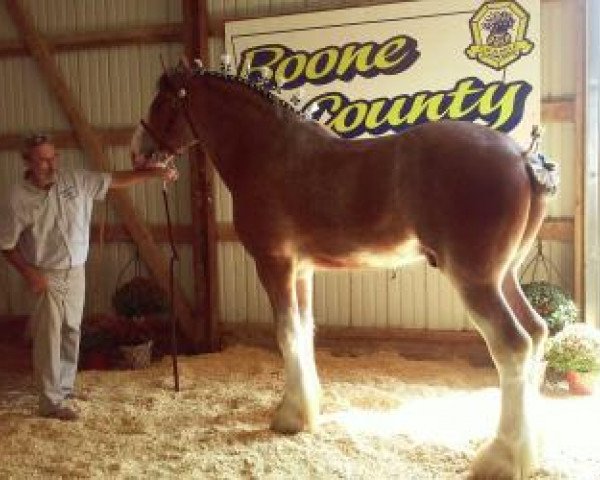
383,69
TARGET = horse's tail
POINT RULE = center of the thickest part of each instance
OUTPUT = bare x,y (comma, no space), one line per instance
543,173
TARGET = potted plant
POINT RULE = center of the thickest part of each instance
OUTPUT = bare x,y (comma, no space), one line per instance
137,303
552,303
575,351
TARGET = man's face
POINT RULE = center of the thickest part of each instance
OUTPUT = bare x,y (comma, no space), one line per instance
42,162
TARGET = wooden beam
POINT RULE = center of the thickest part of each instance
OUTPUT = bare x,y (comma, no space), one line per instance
559,229
113,136
578,8
118,233
150,253
65,42
558,109
202,175
418,344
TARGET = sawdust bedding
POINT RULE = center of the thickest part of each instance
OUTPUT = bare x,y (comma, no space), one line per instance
384,417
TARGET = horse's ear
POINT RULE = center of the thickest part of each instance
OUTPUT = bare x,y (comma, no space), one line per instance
162,63
184,63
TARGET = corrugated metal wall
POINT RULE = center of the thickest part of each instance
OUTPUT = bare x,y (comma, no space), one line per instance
114,87
416,296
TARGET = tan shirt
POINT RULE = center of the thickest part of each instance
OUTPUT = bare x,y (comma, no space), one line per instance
52,227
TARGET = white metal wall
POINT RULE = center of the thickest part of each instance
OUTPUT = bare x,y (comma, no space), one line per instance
114,87
417,296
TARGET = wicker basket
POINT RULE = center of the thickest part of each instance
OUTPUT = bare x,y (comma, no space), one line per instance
136,356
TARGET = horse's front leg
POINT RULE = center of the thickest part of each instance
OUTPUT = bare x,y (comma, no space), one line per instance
512,453
304,292
298,409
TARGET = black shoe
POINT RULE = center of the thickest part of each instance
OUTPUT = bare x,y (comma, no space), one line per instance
61,413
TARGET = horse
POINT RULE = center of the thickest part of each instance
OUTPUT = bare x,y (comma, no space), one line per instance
466,197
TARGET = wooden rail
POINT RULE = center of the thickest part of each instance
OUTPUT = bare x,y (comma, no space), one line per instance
66,42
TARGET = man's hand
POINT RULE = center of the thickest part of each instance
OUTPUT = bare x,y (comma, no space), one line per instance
169,174
36,280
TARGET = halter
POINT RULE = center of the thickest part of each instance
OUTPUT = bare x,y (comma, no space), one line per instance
162,143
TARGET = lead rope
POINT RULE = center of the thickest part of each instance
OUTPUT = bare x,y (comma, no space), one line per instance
174,258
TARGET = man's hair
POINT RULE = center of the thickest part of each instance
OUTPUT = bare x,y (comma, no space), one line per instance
32,141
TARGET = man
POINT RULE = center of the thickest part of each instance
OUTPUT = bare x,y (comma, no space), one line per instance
44,234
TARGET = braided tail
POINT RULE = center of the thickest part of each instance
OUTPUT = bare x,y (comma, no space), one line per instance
543,172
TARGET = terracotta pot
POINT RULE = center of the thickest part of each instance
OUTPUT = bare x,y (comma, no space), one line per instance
581,383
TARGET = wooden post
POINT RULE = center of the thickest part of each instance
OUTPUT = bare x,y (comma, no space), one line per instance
579,9
202,174
92,144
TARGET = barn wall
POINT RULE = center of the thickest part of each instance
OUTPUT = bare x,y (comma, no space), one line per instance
114,87
415,296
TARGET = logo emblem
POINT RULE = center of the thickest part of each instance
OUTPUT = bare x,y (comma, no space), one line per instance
498,30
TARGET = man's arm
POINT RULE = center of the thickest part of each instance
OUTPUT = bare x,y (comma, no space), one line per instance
126,178
36,280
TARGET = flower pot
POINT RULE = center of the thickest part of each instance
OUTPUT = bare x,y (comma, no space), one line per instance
136,356
581,383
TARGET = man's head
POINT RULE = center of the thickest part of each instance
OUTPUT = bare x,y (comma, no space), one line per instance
41,159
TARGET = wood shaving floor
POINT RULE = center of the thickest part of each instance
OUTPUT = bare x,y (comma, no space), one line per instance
384,417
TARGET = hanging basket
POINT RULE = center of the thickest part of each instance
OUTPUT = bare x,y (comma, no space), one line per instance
548,299
136,357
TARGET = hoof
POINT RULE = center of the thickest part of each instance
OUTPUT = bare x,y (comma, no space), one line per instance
499,460
290,418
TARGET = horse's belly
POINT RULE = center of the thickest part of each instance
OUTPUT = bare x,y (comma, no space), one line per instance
389,257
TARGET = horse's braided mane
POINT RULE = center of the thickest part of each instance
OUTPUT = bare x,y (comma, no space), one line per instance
248,83
164,82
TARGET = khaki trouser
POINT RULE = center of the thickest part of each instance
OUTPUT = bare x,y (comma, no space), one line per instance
56,321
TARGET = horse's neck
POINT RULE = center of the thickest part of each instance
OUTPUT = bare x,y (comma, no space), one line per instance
240,128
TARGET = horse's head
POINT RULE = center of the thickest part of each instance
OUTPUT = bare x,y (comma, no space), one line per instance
168,128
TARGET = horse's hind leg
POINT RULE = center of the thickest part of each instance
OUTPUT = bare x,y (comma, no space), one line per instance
299,407
531,321
511,454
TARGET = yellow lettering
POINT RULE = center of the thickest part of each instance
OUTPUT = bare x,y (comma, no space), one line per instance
290,68
269,56
330,55
353,57
464,88
506,104
350,117
387,56
373,119
430,104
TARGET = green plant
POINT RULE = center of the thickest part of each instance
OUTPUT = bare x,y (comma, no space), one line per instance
138,303
552,303
575,348
138,297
